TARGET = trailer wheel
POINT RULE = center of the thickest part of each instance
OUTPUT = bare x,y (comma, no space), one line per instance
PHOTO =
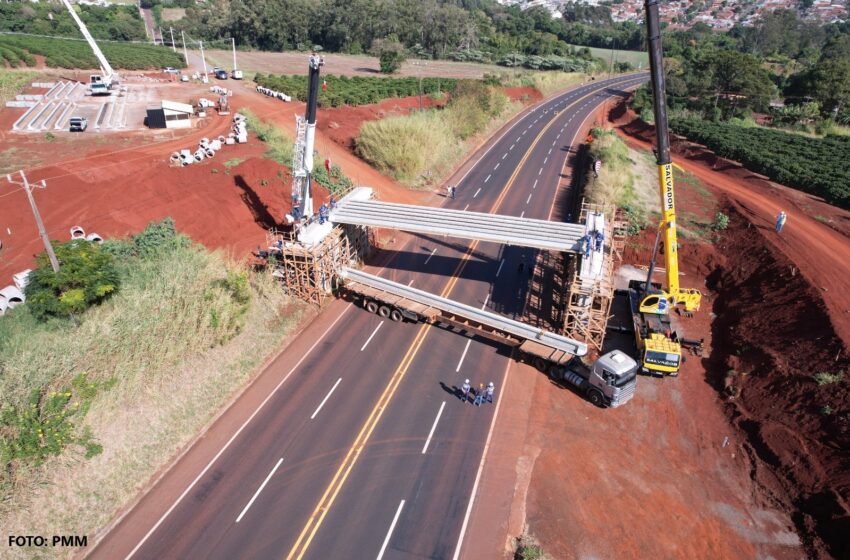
556,372
396,315
371,306
595,397
384,311
539,363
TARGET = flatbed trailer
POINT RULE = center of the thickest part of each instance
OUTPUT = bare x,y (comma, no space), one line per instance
397,302
609,381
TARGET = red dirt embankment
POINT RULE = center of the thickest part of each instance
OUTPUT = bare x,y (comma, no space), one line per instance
782,315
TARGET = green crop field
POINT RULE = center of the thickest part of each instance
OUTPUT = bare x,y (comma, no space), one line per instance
813,165
18,50
344,90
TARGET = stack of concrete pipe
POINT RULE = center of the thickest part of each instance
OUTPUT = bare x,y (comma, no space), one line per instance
273,93
79,233
207,147
221,91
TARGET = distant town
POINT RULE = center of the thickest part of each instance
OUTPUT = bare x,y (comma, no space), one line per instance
719,14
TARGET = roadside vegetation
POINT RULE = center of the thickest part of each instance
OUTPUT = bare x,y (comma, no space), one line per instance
18,50
421,148
115,22
92,406
12,82
358,90
546,83
626,179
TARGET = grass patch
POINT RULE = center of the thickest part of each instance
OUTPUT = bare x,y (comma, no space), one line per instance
626,179
420,149
279,144
546,83
826,378
527,548
12,82
157,361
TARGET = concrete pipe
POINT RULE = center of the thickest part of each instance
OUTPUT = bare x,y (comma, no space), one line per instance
78,233
94,238
215,145
175,157
199,156
205,140
3,306
13,296
209,153
221,139
21,279
230,141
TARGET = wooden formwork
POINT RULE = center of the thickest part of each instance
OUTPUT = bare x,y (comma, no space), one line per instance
589,307
309,272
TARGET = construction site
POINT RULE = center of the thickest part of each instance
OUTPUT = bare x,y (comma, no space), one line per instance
647,385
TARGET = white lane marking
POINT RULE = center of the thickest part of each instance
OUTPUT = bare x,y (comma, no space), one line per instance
527,200
550,151
504,155
486,299
465,207
518,138
233,437
488,177
408,284
328,395
512,146
553,142
534,186
546,159
434,427
390,532
480,468
522,214
476,192
540,172
524,131
497,166
260,489
368,340
432,252
462,356
501,264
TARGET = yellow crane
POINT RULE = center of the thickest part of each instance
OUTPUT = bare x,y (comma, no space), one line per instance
661,351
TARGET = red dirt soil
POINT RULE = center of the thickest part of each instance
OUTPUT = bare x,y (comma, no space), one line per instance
782,314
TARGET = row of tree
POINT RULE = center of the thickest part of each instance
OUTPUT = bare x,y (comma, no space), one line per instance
118,23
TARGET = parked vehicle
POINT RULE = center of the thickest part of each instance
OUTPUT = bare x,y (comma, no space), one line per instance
78,124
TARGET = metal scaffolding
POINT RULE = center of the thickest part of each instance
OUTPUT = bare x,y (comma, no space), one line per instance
588,304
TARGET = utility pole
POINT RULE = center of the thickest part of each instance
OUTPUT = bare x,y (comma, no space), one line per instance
204,60
161,42
173,46
54,262
185,56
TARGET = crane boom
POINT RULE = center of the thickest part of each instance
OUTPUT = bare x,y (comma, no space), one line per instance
105,68
689,298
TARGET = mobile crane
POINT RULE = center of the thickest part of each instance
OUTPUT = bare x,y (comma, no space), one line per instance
650,305
99,84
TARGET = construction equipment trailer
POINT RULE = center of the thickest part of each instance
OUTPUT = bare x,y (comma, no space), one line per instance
99,84
610,381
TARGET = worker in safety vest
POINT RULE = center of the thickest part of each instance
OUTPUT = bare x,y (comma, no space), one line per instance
780,221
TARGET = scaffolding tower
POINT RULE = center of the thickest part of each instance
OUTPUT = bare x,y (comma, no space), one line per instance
588,305
309,272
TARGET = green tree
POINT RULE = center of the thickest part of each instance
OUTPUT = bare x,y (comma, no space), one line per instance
87,275
390,53
831,83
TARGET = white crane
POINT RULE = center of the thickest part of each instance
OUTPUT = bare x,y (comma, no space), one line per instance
102,83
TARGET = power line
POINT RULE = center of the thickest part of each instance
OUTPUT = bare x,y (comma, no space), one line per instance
54,262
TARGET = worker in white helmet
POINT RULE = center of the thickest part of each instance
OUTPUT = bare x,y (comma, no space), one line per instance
464,390
491,388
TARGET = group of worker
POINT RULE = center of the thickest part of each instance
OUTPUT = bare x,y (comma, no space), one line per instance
478,395
325,210
592,241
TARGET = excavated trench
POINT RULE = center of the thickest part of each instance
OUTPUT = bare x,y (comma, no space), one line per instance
772,336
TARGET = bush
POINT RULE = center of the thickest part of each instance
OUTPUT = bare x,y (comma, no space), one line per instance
721,222
826,378
87,275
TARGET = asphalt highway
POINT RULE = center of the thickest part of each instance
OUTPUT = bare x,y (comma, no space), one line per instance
364,450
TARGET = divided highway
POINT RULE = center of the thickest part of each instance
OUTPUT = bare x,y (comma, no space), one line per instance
358,446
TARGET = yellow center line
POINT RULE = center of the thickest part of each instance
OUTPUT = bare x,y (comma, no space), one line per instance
329,496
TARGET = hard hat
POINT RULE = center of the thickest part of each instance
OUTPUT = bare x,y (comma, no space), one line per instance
491,384
466,380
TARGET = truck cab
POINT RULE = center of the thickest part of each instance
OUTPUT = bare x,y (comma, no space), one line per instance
609,381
